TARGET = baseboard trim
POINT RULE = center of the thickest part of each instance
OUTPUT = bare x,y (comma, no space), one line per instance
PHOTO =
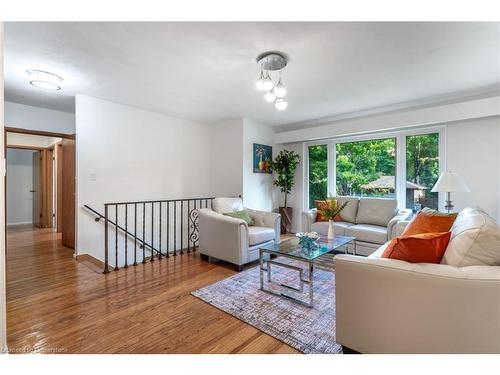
96,263
20,223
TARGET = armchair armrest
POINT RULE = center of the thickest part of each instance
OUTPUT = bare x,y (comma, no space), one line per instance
391,306
402,215
308,218
267,219
222,237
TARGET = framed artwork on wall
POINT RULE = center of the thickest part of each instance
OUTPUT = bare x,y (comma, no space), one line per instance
262,158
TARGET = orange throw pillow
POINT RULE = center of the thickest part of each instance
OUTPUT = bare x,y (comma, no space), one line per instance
319,207
419,248
429,221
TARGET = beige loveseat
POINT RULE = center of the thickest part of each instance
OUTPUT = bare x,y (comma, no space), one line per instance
391,306
370,220
233,240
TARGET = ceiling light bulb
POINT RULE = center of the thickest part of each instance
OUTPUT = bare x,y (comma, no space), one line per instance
45,85
270,97
280,90
280,104
268,84
260,82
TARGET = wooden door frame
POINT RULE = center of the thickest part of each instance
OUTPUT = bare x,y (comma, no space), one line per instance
11,129
58,174
47,176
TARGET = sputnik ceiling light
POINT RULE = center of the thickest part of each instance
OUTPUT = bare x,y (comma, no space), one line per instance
44,80
271,62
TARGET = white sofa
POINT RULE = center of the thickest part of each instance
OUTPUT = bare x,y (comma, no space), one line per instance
391,306
232,240
371,220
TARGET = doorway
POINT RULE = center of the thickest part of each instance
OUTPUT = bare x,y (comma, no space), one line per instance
40,182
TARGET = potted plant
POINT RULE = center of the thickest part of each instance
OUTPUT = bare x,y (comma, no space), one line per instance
330,209
284,166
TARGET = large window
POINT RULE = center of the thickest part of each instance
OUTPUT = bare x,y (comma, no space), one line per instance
366,168
422,170
404,165
318,173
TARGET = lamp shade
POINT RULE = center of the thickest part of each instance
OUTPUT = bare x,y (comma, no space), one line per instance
450,182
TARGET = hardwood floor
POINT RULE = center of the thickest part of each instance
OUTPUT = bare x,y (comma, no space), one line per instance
56,304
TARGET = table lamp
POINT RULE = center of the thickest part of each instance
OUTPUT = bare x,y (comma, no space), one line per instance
450,182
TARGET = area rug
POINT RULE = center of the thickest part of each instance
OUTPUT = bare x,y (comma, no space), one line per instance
309,330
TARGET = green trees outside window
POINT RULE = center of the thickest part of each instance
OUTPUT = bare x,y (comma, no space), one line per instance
360,165
318,173
422,170
368,168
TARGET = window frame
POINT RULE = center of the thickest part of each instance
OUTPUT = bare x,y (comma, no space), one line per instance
400,175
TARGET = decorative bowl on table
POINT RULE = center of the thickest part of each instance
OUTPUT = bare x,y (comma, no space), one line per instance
308,240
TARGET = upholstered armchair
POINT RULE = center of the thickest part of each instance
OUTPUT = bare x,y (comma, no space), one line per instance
231,239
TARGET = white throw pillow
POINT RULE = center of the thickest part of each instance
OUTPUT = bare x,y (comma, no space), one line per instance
224,205
475,240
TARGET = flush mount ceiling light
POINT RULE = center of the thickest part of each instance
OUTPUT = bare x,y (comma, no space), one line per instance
272,62
44,80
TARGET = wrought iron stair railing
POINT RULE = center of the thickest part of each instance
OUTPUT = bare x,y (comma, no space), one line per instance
135,230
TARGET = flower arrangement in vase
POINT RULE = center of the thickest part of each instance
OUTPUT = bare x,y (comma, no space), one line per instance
329,210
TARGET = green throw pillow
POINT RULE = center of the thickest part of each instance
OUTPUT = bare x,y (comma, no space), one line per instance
243,215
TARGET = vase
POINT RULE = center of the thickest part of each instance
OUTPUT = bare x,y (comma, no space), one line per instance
331,232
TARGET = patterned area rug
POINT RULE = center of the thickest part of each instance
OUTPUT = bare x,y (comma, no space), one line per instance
309,330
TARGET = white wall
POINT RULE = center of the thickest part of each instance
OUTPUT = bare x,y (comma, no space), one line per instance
226,158
36,118
472,151
257,187
231,162
129,154
3,308
431,115
19,184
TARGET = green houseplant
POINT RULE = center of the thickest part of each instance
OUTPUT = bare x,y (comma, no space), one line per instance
284,167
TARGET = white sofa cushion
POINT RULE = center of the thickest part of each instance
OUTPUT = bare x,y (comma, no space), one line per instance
376,211
258,235
475,240
223,205
350,211
368,233
338,227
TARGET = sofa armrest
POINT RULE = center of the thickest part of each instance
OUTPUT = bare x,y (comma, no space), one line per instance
398,229
308,218
222,237
391,306
402,215
267,219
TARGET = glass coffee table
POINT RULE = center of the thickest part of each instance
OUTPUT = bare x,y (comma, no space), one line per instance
269,256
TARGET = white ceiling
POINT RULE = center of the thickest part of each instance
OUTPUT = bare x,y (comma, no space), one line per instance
206,71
